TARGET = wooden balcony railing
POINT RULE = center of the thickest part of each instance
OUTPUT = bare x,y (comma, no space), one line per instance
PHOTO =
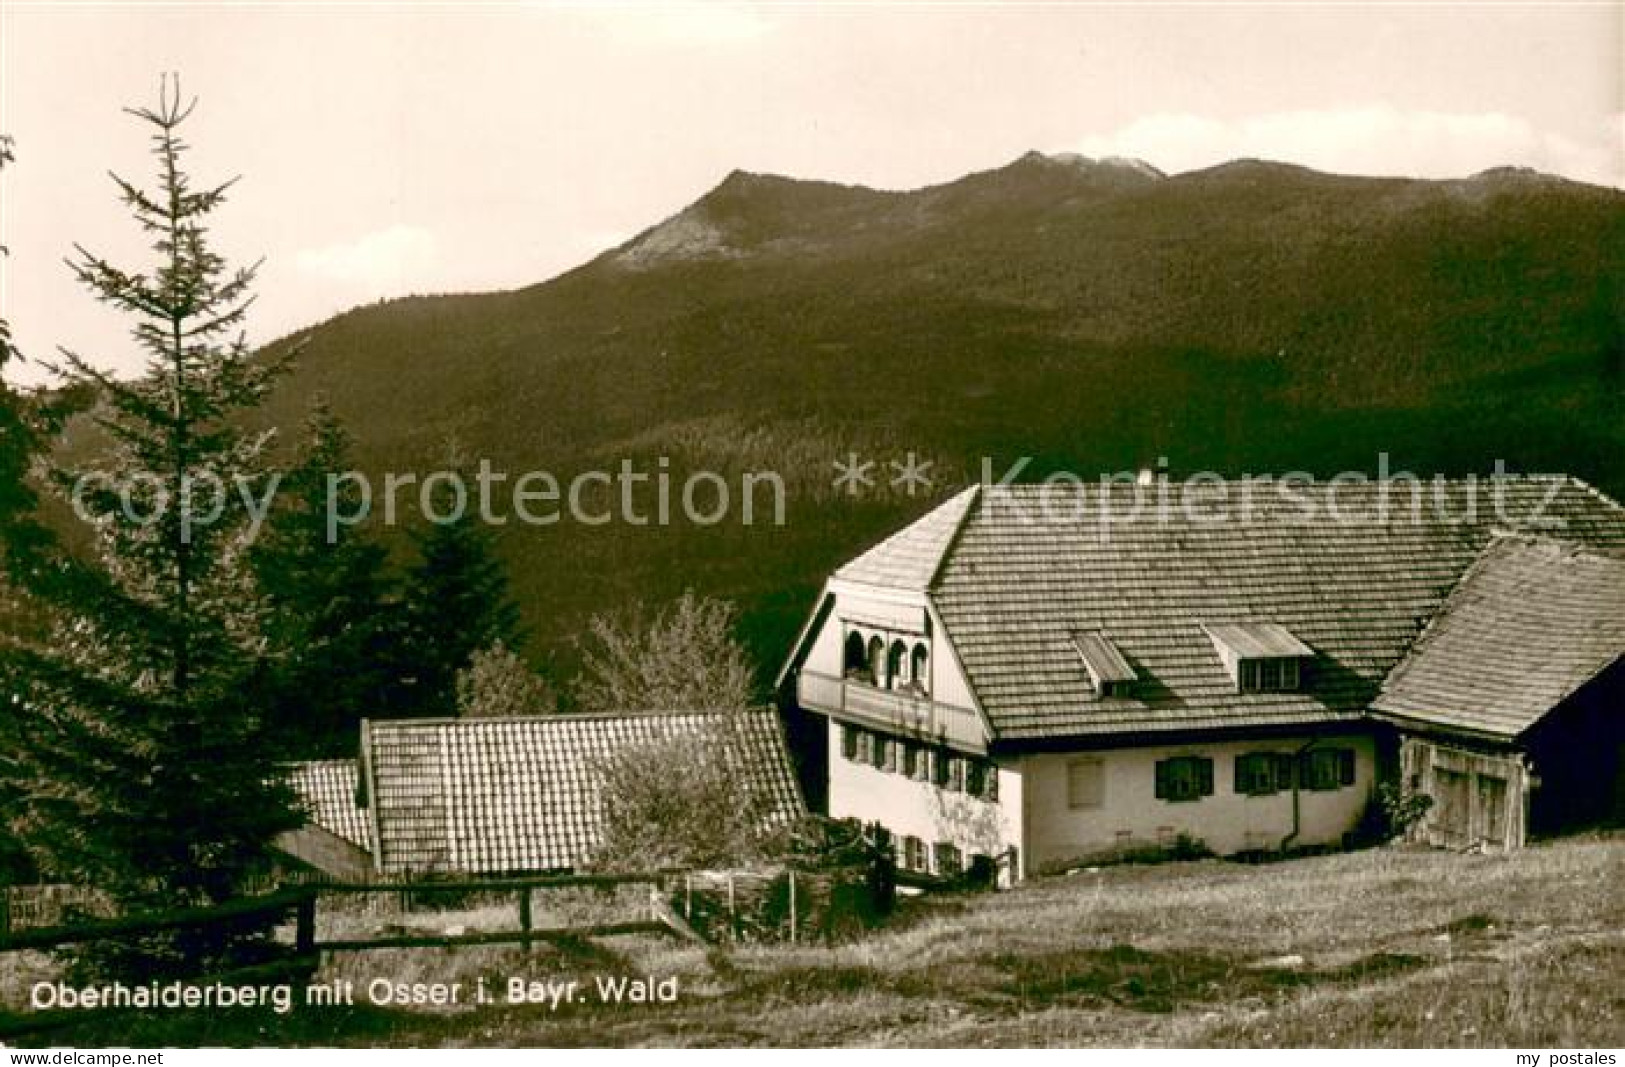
895,711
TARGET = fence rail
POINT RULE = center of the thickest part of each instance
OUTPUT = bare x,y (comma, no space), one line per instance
497,885
273,906
301,901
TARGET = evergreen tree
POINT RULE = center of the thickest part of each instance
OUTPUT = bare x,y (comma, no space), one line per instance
20,538
457,602
21,535
331,628
140,751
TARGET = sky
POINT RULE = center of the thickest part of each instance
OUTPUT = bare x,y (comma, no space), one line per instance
387,150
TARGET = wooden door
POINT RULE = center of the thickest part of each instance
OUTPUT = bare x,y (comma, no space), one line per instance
1492,808
1452,816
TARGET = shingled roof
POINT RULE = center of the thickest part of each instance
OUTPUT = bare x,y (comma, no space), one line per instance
909,558
327,790
1354,571
491,796
1532,621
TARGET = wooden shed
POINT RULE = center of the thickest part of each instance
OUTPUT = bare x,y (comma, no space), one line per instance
1511,705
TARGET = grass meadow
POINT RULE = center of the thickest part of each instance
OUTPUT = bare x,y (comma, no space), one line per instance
1389,947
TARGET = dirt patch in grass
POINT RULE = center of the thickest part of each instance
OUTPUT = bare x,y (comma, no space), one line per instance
1135,978
1570,996
1476,923
1167,981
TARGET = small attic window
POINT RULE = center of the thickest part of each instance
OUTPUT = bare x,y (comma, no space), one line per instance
1261,657
1109,671
1269,675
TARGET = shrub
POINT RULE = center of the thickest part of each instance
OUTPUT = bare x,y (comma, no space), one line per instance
844,883
684,659
498,684
1392,812
683,801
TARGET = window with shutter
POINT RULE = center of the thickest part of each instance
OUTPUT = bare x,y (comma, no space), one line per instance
974,777
990,781
1184,778
1285,766
1255,774
1323,769
956,774
1262,773
949,864
1086,783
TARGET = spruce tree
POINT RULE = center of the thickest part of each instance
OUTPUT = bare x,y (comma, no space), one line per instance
140,749
21,535
457,602
20,539
332,628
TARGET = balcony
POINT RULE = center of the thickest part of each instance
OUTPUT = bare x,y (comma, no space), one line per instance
895,712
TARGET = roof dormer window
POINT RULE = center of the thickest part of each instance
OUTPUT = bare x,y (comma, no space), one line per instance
1261,657
1109,671
1268,675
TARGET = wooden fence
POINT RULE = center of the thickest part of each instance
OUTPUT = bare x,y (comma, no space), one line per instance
300,903
272,908
659,919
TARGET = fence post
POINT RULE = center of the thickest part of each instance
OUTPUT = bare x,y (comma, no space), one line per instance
688,897
524,917
304,937
733,914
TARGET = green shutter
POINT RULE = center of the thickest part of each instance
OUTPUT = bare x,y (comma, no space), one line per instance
1345,766
1204,776
1283,771
1162,779
849,742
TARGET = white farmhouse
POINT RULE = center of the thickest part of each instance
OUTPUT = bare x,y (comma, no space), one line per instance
1050,675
